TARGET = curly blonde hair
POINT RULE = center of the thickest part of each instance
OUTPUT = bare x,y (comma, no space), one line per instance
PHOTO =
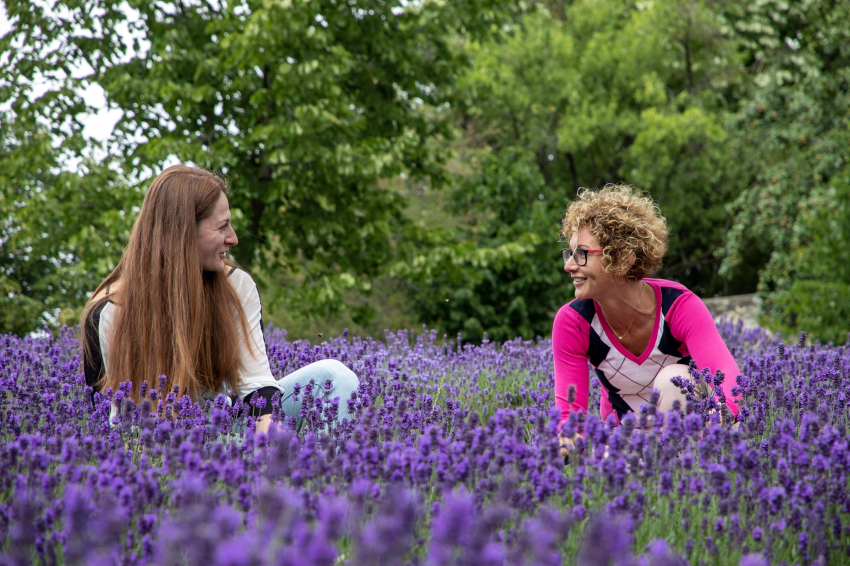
625,222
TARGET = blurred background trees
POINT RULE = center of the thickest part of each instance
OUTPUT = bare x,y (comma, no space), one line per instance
793,145
393,165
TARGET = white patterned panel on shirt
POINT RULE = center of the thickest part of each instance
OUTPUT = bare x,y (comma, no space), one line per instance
635,381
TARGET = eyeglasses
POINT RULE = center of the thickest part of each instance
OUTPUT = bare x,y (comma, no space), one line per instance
579,255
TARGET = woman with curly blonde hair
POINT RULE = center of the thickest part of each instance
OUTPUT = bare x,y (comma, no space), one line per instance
635,331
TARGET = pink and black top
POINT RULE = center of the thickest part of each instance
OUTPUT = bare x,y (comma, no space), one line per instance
684,330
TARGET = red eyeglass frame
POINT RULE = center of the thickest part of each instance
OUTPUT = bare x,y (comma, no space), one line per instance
571,253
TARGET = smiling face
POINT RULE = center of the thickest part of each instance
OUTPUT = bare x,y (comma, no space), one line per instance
215,236
590,280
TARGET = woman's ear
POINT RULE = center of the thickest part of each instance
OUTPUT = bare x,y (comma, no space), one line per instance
631,262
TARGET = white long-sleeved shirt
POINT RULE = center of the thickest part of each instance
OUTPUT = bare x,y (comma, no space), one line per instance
255,371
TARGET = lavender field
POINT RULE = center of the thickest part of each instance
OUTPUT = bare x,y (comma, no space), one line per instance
452,458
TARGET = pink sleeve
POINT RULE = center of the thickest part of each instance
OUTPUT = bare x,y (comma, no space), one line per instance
692,324
570,340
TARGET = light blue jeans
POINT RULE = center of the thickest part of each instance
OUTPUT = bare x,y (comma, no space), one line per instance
343,383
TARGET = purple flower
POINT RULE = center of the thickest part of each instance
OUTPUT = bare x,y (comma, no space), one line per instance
753,560
659,553
607,540
775,498
389,534
194,482
462,536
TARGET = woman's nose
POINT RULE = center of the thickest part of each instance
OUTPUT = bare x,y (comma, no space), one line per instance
232,239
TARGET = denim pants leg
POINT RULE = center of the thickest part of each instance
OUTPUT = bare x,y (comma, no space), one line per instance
343,384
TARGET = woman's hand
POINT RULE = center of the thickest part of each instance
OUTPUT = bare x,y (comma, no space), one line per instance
567,444
264,423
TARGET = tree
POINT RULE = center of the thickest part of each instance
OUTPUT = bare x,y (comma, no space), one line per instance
793,148
497,275
61,231
818,299
597,92
305,106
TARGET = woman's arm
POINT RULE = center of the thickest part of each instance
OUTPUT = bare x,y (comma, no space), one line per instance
569,348
264,423
692,324
256,378
92,355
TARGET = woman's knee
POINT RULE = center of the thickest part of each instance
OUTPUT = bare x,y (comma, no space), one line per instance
338,373
667,392
662,380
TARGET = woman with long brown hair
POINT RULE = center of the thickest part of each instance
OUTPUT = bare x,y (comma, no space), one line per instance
177,306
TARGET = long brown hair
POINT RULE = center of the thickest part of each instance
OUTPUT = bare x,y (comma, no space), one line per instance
174,319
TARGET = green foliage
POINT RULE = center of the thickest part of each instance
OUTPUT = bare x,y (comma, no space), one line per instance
387,307
820,305
603,92
793,146
61,232
818,300
326,116
305,106
494,274
650,113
